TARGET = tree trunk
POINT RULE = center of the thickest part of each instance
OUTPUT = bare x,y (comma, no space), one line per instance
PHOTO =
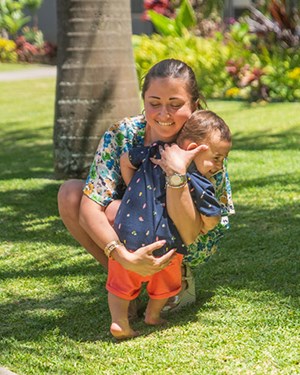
96,79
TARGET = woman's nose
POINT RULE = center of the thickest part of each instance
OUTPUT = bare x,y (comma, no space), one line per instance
164,112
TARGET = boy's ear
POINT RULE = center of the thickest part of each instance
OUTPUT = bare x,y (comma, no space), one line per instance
191,146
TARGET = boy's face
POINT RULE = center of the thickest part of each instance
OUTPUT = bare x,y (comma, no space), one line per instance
211,161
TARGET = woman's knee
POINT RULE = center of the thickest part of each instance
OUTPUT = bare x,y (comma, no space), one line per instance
69,195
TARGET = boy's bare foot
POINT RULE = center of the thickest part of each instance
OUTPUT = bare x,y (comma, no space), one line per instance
155,320
122,332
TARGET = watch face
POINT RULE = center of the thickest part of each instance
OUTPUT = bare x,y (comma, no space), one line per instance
176,180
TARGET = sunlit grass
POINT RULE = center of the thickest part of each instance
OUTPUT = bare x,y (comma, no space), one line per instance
53,309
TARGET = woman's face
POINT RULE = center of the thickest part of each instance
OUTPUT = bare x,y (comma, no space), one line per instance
167,107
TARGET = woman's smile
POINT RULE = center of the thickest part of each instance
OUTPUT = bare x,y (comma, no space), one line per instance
165,123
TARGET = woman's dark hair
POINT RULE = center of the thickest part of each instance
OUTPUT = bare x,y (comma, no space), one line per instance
172,68
201,125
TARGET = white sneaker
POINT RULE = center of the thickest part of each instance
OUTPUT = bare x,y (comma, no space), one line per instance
186,296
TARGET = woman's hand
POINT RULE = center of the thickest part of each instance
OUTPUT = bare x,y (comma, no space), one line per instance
142,261
176,160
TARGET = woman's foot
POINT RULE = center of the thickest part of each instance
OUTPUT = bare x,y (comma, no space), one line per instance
122,331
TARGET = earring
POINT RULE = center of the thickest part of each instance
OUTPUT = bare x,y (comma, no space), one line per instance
143,112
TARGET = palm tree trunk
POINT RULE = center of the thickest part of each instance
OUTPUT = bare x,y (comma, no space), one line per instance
96,79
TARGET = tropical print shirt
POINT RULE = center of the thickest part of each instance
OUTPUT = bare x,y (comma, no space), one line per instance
104,182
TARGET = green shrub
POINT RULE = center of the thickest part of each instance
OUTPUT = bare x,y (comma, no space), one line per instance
227,66
206,56
8,51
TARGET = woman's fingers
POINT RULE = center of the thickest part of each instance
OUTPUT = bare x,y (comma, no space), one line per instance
146,264
164,260
150,248
200,148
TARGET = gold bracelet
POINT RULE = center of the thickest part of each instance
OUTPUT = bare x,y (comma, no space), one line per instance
110,247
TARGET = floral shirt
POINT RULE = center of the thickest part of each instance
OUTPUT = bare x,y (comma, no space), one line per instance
104,182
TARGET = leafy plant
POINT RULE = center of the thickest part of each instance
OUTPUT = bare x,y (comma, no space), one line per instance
32,5
227,66
8,51
33,36
25,50
164,7
184,19
207,56
12,17
279,26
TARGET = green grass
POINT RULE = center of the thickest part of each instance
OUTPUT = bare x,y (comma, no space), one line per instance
54,316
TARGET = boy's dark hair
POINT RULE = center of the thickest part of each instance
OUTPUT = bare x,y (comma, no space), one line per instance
201,125
172,68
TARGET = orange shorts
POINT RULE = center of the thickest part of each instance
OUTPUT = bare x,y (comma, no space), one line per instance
127,284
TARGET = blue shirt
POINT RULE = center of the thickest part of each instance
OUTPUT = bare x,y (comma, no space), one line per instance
142,217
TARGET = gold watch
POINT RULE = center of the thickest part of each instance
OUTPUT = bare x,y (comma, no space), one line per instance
176,180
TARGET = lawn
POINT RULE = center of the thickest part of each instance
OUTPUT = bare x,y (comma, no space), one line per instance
53,309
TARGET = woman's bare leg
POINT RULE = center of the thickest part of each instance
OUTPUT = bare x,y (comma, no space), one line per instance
69,198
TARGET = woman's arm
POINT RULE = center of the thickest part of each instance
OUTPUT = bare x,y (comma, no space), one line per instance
181,209
187,219
93,220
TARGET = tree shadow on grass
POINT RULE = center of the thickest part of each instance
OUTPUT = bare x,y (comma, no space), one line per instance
26,154
279,182
263,140
260,253
31,214
79,315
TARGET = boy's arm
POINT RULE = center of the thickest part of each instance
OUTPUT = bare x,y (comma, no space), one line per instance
127,169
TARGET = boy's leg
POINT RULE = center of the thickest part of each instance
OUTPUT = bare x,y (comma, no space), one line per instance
120,327
154,307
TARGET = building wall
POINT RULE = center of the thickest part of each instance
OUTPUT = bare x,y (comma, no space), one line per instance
47,20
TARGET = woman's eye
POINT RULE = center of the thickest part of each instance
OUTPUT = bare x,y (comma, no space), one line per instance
175,105
154,104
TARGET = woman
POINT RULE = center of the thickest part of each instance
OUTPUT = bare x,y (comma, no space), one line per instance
170,95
